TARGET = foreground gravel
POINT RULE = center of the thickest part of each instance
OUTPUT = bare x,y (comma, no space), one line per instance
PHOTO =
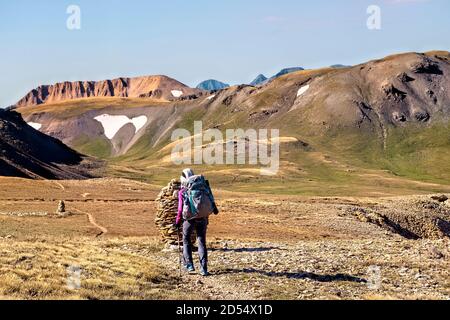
350,269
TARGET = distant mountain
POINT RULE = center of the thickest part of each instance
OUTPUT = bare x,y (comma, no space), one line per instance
212,85
159,87
339,66
262,79
259,80
27,153
287,71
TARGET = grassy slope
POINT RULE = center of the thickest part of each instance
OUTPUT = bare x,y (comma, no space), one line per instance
420,153
334,164
41,270
99,147
72,108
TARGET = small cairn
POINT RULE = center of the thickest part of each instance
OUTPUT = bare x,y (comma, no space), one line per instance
167,212
61,211
61,208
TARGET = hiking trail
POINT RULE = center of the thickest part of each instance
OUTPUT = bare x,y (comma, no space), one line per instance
59,185
92,221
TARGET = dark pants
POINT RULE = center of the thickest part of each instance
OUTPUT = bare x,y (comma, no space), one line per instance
200,226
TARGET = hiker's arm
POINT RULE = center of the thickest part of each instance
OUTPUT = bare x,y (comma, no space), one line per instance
209,189
216,210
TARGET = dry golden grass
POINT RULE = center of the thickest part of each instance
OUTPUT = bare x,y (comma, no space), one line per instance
40,270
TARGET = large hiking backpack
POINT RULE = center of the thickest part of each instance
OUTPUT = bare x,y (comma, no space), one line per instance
198,201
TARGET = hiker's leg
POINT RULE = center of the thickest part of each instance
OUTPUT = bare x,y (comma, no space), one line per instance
201,227
187,248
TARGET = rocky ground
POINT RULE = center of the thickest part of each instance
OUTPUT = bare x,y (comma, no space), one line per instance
366,269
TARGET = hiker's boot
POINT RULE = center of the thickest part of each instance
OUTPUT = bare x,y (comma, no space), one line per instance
190,268
204,273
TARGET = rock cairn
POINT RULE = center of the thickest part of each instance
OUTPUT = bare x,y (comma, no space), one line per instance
61,211
61,208
167,212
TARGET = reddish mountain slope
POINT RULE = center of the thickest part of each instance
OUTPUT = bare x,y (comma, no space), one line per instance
160,88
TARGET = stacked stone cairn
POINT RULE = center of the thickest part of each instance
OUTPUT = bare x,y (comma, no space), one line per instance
61,211
167,207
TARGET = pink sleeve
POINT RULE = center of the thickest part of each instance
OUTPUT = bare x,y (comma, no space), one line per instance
180,206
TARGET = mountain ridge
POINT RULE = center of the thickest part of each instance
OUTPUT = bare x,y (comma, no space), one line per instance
286,71
158,87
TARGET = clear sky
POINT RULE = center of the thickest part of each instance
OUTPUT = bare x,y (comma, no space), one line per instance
194,40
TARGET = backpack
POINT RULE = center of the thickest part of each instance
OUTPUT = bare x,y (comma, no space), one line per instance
198,201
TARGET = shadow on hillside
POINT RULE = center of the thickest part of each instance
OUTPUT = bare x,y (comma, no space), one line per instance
266,249
296,275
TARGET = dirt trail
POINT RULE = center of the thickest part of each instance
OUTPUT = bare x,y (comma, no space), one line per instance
59,185
92,221
91,218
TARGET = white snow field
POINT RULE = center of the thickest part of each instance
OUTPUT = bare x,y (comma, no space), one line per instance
139,122
112,124
211,97
302,90
177,93
35,125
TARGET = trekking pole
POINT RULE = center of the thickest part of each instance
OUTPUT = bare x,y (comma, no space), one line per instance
179,252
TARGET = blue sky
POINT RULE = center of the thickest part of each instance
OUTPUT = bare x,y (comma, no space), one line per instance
232,41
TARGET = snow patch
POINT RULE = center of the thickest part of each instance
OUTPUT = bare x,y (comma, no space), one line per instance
112,124
302,90
35,125
211,97
139,122
177,93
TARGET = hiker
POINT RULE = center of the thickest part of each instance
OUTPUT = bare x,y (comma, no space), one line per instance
195,205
